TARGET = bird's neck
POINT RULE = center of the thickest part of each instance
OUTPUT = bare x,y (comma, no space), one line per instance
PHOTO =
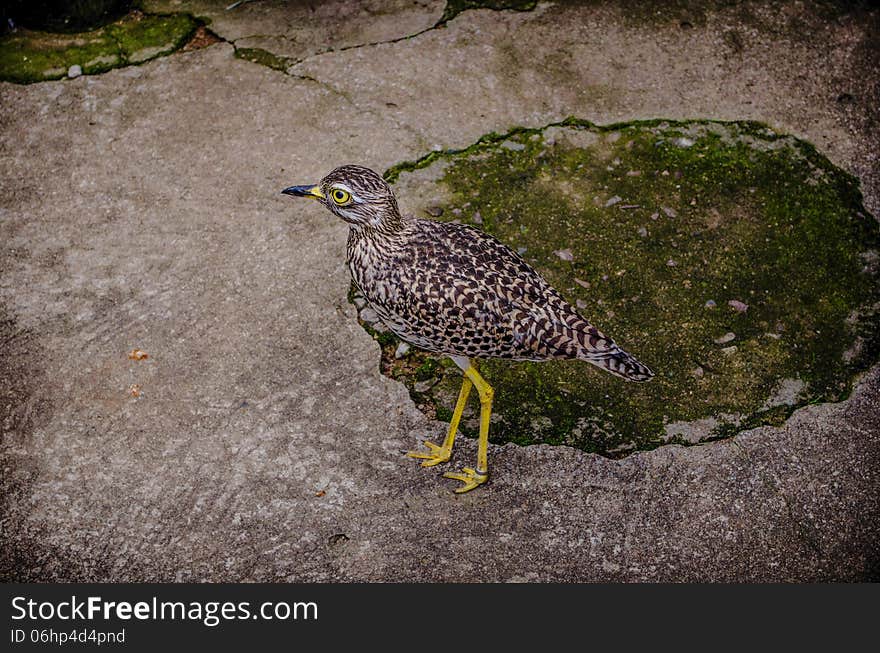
371,248
386,230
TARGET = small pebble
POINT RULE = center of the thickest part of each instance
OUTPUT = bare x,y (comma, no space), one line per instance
729,351
710,304
614,200
513,145
671,263
654,216
564,254
683,141
671,213
697,372
582,283
402,348
478,219
521,250
369,316
634,173
738,306
74,71
423,386
727,337
581,304
643,232
434,211
359,302
456,211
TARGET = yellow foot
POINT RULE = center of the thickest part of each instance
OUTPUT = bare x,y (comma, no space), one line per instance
436,456
470,477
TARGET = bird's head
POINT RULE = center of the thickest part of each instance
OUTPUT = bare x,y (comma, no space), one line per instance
354,193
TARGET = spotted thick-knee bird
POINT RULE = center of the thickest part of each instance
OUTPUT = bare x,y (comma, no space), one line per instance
451,289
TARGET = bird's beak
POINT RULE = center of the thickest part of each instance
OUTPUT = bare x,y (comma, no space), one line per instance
305,191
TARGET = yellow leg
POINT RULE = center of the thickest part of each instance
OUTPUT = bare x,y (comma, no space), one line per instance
440,454
469,476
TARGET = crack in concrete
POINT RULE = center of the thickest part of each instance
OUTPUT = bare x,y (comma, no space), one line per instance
421,142
293,61
398,39
448,15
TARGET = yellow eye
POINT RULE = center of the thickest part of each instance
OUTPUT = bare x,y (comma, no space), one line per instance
340,196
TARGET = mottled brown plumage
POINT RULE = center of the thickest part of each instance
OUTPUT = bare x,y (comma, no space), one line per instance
451,289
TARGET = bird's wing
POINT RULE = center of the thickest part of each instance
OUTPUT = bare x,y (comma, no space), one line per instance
473,288
462,292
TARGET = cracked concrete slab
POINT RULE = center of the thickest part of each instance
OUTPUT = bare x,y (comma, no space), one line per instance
606,69
297,30
140,209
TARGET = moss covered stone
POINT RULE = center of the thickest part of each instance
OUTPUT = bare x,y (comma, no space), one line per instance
29,56
738,263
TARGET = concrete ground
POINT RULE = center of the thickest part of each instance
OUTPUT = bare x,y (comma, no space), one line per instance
140,209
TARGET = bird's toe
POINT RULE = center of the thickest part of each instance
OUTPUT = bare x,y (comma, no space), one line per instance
435,456
470,477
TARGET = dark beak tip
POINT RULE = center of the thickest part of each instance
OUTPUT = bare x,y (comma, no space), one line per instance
309,190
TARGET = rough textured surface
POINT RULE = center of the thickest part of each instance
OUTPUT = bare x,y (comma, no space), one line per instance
140,209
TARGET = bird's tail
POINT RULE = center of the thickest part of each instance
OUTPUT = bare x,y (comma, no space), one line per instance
622,364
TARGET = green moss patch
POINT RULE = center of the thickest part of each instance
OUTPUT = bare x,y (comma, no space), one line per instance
264,58
29,56
738,263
